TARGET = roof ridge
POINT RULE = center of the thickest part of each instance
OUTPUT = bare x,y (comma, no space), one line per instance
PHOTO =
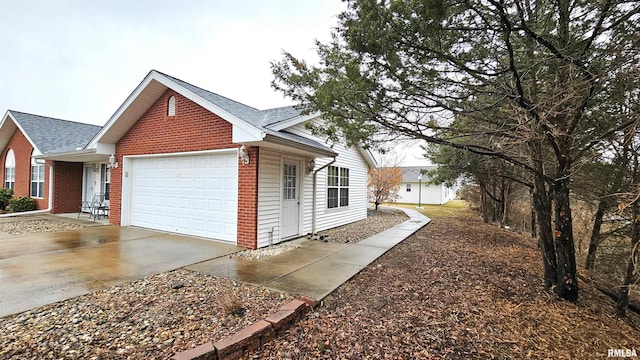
51,118
209,91
280,107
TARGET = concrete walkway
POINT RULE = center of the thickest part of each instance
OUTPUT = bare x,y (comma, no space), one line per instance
315,268
43,268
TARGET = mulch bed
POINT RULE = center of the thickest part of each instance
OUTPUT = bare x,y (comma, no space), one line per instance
457,289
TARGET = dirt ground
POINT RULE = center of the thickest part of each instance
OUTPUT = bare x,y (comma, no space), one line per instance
457,289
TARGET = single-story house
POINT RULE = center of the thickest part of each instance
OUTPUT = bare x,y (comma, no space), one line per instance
178,158
416,190
24,137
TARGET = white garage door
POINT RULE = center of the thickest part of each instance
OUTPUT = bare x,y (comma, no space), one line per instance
193,195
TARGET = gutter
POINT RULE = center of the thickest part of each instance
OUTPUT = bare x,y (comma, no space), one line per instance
47,210
314,234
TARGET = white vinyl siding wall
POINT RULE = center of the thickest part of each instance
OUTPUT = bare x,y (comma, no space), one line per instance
358,169
268,197
431,194
270,192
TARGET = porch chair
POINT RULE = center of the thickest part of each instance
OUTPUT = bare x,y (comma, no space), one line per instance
97,208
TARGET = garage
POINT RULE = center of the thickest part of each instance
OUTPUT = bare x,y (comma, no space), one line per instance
194,194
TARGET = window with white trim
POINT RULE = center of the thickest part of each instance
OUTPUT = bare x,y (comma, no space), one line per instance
37,179
10,170
337,187
408,187
106,180
171,111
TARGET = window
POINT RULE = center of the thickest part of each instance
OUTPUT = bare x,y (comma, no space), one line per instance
37,179
337,187
290,182
172,106
10,170
408,187
106,180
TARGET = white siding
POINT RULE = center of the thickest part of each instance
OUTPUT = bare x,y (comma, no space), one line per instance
358,169
431,194
268,197
269,190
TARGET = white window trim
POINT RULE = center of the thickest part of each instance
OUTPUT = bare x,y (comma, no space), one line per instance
171,108
35,164
339,187
10,164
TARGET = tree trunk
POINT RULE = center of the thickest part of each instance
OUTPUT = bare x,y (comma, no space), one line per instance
541,200
484,203
542,206
623,300
567,280
596,238
494,207
502,203
534,226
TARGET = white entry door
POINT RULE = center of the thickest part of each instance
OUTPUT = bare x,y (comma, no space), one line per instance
290,219
89,184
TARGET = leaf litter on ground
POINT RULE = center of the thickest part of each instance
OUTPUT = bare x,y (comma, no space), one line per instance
458,288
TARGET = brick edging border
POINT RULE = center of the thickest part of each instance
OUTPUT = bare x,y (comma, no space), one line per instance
253,336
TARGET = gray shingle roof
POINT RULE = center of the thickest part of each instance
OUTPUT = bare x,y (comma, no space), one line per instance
280,114
247,113
255,117
54,135
300,139
410,173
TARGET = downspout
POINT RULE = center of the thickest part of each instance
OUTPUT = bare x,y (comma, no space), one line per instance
315,186
48,209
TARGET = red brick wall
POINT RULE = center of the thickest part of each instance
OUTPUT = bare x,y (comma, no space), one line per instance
193,128
22,151
248,200
67,184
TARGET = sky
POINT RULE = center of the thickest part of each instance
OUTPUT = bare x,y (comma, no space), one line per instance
80,59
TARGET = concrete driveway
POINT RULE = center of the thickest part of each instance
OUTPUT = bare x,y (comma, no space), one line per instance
39,269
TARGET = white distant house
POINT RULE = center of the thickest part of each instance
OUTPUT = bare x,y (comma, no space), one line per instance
416,190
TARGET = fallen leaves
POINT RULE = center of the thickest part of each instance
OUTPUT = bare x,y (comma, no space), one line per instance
459,288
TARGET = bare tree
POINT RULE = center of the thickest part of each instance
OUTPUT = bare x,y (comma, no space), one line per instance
384,184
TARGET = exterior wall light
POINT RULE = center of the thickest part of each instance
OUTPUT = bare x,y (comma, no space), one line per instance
243,154
310,166
113,164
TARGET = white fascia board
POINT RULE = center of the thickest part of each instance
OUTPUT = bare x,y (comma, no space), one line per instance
36,151
240,136
63,154
5,131
368,157
254,132
105,148
247,128
138,90
293,121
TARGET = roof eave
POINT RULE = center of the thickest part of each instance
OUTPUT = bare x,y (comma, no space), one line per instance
168,83
81,155
283,124
10,116
297,145
368,158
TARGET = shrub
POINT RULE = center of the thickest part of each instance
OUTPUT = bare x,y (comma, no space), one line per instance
21,204
5,195
231,303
